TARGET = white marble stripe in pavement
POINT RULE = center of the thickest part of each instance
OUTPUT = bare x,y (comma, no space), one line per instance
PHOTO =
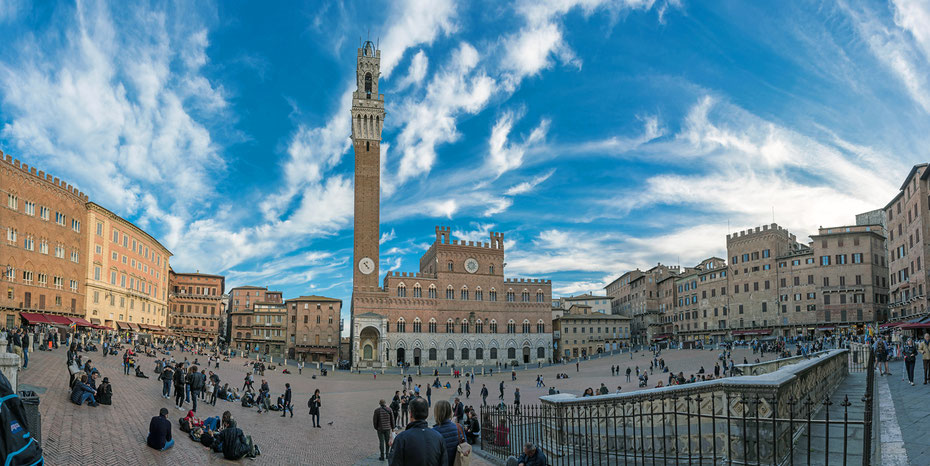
892,442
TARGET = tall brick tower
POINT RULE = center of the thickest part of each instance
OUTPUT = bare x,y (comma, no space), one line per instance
367,121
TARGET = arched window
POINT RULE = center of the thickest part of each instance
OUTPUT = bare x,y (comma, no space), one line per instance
401,290
417,291
450,326
511,353
238,335
464,325
493,326
464,293
432,326
510,296
526,326
450,266
479,353
367,352
450,354
525,296
492,295
479,327
432,291
540,296
540,326
511,326
416,325
368,85
541,352
248,335
493,353
479,295
464,354
432,354
450,293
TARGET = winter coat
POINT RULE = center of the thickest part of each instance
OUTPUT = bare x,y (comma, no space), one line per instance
452,435
418,445
383,418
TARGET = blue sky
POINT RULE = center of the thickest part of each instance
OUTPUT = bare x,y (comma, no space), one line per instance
599,136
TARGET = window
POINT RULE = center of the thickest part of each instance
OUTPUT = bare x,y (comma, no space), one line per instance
492,295
525,296
450,293
857,258
60,218
432,291
464,326
416,325
540,327
526,326
450,326
450,266
58,282
479,327
11,234
401,325
824,260
511,327
493,327
479,295
540,297
510,296
432,326
59,251
12,201
464,294
29,243
30,208
75,257
417,291
402,290
76,225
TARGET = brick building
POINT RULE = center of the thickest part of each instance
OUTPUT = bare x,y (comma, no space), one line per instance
43,256
581,331
127,274
242,318
313,328
635,294
908,222
852,274
195,305
458,308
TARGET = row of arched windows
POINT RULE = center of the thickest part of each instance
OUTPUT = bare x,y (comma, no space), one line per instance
465,326
465,294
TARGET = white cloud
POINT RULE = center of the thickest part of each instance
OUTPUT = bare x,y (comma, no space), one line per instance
413,23
418,66
527,186
457,89
504,155
387,236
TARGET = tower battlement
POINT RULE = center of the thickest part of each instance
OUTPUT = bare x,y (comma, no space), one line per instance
44,177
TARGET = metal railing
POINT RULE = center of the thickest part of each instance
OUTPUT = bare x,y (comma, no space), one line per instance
786,417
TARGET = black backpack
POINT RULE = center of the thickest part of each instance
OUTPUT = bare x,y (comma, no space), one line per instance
17,445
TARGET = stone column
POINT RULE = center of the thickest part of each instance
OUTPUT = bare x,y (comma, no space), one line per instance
9,365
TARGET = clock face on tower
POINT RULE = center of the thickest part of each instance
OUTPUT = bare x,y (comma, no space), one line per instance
366,265
471,265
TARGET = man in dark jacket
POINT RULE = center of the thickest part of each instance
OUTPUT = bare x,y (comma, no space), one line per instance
383,421
287,401
196,382
234,443
160,431
418,444
531,456
179,378
458,410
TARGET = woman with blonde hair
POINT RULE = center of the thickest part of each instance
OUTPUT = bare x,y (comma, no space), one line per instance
452,433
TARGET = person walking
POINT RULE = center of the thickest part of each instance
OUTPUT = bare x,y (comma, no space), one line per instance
910,359
383,421
418,444
429,395
501,397
924,349
179,386
484,395
516,400
314,404
287,401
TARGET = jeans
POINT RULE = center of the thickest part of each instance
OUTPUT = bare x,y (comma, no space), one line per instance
429,400
187,393
194,395
211,423
88,396
384,436
909,365
166,388
179,396
213,398
25,357
126,368
168,444
315,418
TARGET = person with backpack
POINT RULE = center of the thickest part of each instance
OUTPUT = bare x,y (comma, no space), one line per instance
314,405
160,432
235,445
179,386
452,433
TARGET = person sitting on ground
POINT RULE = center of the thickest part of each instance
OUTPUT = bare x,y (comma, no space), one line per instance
531,456
194,422
233,442
105,392
140,374
160,432
82,392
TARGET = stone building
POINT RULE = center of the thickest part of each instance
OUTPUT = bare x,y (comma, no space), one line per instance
43,257
907,222
127,274
635,294
458,308
581,332
242,319
600,304
852,274
195,306
313,328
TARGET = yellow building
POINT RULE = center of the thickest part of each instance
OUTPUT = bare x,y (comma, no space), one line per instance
127,273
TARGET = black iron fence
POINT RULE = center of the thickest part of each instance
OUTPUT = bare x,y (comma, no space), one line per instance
786,417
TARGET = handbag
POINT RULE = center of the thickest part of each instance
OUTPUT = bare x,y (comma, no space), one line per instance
463,450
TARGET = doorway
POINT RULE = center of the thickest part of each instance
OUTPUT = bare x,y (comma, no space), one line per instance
416,356
401,356
526,355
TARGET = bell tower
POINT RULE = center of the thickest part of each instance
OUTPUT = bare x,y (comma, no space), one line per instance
367,121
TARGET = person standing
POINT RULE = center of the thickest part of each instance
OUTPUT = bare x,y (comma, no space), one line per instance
287,401
419,444
429,395
516,400
910,359
452,433
166,378
501,390
484,395
458,410
924,349
126,362
195,385
179,377
25,349
314,405
383,421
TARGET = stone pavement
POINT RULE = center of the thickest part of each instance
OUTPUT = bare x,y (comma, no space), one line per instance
116,434
906,425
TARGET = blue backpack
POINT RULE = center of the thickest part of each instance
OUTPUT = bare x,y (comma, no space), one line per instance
17,445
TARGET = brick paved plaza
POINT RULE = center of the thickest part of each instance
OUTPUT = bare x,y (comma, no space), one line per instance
116,434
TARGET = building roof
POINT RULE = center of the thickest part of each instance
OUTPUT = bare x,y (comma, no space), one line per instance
198,274
94,206
249,287
583,297
315,298
595,315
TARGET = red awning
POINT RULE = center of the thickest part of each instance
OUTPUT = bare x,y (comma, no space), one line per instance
122,325
926,325
34,318
80,322
60,320
134,326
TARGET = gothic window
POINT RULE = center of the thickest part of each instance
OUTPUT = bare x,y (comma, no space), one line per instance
432,326
492,295
465,354
464,293
479,295
526,326
510,296
402,290
479,327
525,296
432,291
450,266
540,327
432,354
511,353
493,326
464,326
417,325
401,325
450,326
367,85
493,353
450,354
540,296
450,293
511,327
417,291
479,353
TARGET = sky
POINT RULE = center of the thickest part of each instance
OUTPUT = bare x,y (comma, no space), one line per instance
598,136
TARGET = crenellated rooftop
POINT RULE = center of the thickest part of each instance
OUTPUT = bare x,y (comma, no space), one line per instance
44,177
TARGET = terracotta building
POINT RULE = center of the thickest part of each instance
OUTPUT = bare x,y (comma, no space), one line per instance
43,257
852,275
195,306
458,308
635,294
580,332
127,274
313,328
242,317
908,224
